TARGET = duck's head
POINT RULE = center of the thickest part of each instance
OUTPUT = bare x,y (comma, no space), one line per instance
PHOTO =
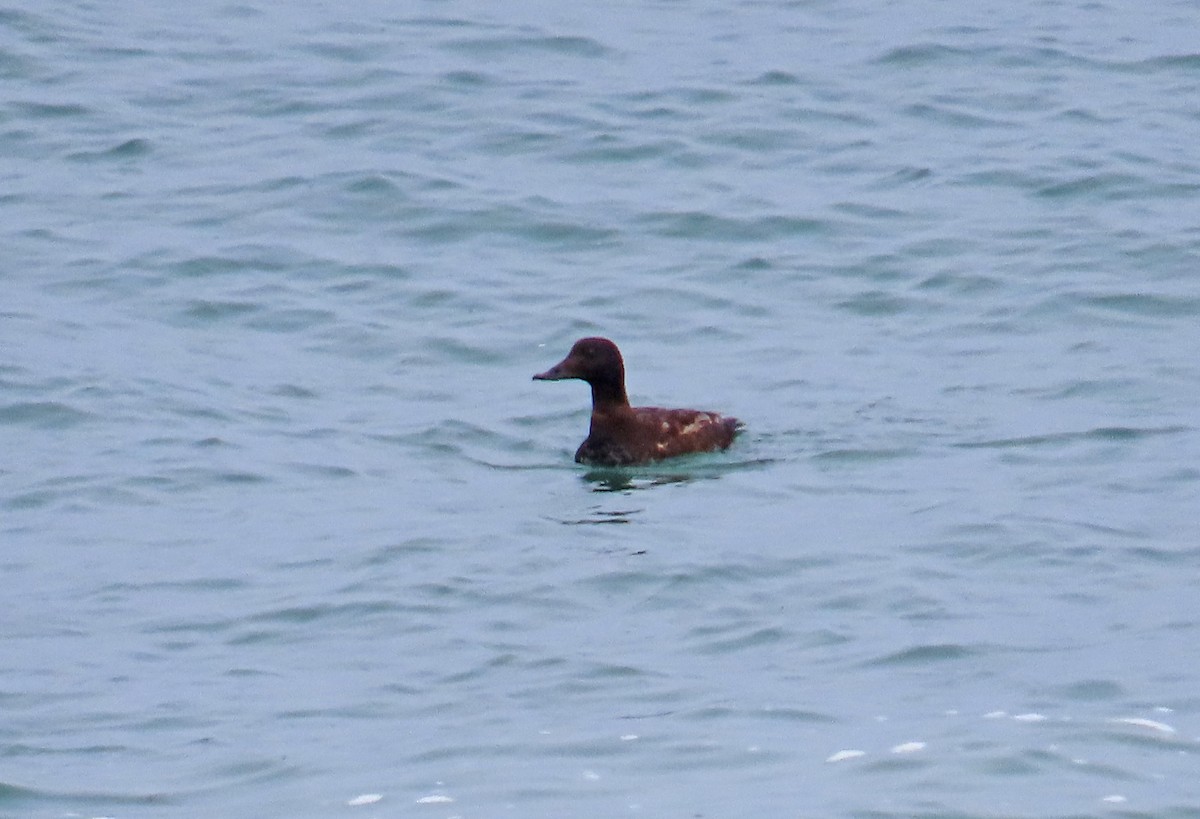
594,360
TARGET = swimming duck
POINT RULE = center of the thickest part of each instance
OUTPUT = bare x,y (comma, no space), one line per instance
621,435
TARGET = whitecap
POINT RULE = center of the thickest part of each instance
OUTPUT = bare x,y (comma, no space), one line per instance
1153,725
1032,717
843,755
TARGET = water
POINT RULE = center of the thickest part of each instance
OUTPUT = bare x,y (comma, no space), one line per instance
288,531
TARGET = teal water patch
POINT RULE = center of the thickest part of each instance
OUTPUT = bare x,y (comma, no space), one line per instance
712,228
209,312
519,46
1116,434
35,799
947,116
927,54
1106,186
855,456
1144,304
41,110
129,149
1094,691
43,414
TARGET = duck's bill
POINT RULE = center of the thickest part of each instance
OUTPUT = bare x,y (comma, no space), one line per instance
556,373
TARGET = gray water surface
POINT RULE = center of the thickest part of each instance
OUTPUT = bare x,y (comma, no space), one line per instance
287,530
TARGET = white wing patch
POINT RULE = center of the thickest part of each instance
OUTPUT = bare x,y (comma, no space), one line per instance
697,424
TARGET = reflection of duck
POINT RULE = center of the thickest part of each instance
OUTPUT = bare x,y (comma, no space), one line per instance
621,435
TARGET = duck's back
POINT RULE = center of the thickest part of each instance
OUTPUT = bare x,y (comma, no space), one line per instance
648,434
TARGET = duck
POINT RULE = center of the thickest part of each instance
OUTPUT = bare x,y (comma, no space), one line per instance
623,435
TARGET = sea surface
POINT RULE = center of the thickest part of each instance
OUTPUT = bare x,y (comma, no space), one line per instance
287,530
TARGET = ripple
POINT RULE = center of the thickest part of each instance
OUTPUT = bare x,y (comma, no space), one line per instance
776,77
1093,691
503,45
211,312
954,117
39,110
1142,304
1102,185
1174,63
129,149
46,798
710,227
926,654
926,54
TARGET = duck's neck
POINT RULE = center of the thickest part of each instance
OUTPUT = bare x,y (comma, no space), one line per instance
608,395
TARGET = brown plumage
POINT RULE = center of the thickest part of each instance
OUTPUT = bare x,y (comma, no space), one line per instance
621,435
